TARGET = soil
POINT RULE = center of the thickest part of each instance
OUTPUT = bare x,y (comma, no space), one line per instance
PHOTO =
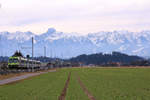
90,96
64,91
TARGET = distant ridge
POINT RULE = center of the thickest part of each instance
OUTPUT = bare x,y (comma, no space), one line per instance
68,45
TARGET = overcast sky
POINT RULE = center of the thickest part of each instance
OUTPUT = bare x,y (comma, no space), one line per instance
82,16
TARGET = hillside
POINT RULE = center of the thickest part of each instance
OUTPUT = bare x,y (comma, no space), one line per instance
103,59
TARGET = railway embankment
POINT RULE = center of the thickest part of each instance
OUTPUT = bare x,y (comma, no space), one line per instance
21,76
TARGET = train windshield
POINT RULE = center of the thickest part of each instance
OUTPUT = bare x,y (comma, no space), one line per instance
13,60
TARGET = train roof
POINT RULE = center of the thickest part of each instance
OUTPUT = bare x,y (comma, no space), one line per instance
13,57
22,58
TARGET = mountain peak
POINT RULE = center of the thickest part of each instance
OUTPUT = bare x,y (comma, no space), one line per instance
5,33
51,30
29,33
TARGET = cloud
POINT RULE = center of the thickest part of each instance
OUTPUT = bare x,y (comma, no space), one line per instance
74,15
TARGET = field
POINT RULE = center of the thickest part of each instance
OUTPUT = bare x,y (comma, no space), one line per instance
101,83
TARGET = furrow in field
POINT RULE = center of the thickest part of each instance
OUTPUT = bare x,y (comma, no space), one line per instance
64,91
90,96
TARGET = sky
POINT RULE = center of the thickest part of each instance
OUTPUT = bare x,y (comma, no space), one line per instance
81,16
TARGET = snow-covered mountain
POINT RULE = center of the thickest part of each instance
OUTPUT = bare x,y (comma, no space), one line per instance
61,44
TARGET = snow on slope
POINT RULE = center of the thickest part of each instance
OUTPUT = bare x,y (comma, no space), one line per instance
72,44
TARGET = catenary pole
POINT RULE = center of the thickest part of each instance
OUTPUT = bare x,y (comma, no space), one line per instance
32,52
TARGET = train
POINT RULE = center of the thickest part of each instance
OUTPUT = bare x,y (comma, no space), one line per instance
19,62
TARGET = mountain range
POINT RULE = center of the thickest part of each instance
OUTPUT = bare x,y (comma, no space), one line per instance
60,44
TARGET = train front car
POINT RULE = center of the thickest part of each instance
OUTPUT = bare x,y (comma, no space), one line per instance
13,62
23,63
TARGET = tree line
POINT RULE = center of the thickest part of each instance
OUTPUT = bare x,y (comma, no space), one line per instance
115,58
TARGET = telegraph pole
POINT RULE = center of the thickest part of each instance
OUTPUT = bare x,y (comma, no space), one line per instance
32,52
44,51
1,45
32,47
51,54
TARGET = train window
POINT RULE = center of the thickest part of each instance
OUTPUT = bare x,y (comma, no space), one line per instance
13,60
22,61
30,62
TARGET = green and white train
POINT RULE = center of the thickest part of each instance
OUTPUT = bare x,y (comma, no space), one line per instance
23,63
